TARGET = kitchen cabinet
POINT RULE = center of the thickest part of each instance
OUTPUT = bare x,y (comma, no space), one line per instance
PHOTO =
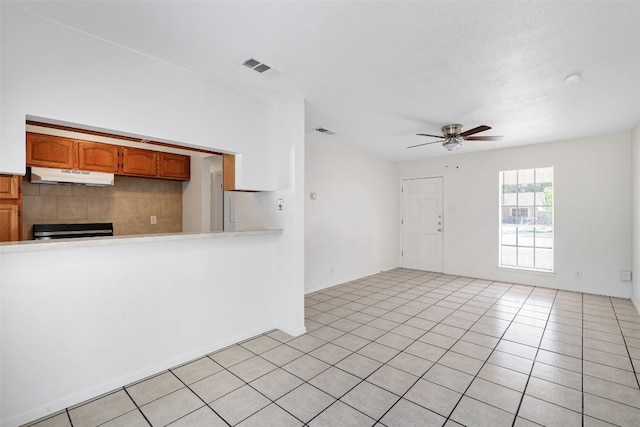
174,166
137,162
67,153
94,156
50,151
10,207
228,172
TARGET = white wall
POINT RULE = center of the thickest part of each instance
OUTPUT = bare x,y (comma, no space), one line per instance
55,73
635,200
592,179
95,302
351,227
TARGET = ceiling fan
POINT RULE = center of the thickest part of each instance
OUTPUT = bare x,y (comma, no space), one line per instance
452,137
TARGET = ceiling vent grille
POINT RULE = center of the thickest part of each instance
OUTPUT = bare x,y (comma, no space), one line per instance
325,131
261,68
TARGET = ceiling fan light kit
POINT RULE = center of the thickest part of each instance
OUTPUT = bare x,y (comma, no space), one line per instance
453,143
454,137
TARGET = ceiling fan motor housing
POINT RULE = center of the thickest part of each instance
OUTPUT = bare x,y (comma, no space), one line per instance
451,130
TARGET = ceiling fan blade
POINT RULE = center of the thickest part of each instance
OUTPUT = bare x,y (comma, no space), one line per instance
481,128
426,134
484,138
425,143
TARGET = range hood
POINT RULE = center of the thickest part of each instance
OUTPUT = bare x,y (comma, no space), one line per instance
66,176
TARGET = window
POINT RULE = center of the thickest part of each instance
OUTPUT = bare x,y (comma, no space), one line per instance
526,219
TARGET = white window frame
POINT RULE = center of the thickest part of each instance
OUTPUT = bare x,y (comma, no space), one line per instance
502,226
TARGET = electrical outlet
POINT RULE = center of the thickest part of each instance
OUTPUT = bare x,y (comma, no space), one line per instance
625,275
578,274
153,219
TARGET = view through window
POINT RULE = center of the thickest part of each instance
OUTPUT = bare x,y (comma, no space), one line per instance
526,218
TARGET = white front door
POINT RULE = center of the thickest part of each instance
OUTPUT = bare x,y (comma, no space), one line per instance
422,224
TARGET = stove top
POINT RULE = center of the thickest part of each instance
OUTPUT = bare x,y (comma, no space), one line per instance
72,231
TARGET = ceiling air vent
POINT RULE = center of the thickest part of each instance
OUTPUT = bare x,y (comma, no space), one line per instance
261,68
325,131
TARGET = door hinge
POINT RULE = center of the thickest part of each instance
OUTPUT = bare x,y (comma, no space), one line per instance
402,221
401,253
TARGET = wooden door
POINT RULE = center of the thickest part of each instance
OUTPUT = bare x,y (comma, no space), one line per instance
95,156
50,151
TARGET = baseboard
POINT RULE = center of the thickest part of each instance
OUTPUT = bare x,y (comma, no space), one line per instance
636,304
294,332
57,405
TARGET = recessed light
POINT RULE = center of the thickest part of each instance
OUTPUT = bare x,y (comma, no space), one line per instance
573,79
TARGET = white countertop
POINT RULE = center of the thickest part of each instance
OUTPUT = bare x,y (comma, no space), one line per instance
42,245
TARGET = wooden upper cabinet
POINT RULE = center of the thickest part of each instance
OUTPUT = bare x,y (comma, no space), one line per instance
139,162
10,187
174,166
66,153
50,151
94,156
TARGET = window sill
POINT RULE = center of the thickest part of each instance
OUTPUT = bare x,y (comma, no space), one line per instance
542,273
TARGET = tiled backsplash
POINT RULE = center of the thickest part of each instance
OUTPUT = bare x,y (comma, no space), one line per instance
129,204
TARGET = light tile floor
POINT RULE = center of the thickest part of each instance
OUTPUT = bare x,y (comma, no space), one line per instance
407,348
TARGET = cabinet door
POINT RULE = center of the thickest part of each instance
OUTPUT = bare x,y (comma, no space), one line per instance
228,172
94,156
9,187
138,162
9,222
10,207
174,166
50,151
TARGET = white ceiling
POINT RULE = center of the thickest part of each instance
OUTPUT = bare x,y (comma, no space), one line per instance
378,72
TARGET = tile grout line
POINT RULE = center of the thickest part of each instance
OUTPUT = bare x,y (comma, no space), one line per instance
463,394
434,363
524,391
456,340
68,416
137,407
624,340
382,364
196,394
385,364
582,356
